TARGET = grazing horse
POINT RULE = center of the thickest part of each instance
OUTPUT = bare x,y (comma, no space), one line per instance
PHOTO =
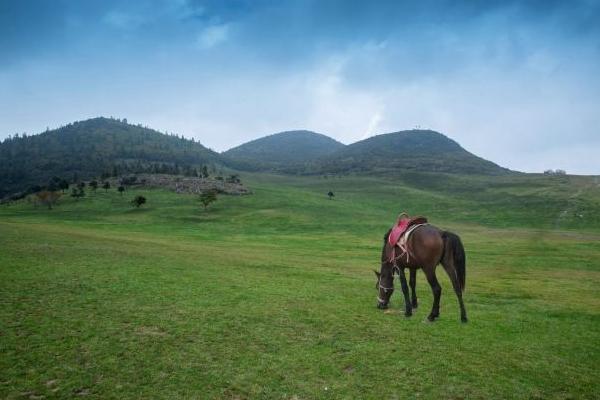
427,247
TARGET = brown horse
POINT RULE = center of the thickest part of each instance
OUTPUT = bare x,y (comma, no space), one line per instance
428,246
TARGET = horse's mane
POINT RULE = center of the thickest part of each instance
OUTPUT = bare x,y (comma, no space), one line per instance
386,236
385,240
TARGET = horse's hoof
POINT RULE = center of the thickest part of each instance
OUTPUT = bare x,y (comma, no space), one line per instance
408,314
464,320
415,305
431,318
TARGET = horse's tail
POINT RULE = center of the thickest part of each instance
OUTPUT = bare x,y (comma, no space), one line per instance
454,254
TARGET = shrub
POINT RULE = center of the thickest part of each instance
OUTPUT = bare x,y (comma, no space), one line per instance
207,197
138,201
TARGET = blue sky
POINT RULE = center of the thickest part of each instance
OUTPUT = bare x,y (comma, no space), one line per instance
514,82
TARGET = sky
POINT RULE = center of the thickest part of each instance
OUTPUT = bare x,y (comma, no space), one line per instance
515,82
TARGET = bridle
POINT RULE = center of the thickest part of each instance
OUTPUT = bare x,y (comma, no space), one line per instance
385,289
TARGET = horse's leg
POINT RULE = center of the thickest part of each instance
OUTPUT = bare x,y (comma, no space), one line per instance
413,285
407,306
437,292
457,289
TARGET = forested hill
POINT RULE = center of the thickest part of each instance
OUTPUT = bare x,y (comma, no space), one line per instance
91,148
412,150
283,152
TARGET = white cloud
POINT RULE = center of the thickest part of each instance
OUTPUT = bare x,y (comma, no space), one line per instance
212,36
123,20
373,127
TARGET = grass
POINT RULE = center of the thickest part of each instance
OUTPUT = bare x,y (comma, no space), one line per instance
272,295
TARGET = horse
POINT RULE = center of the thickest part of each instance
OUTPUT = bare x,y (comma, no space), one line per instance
427,247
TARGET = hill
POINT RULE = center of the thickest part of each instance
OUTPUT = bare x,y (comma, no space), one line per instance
305,152
283,152
412,150
90,148
102,147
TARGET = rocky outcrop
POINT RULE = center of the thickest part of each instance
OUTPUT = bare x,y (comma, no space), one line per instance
183,184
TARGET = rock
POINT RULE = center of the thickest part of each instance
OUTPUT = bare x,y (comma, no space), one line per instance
185,184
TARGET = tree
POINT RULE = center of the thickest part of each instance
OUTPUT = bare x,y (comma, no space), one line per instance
54,184
106,186
121,189
204,171
207,197
77,192
331,195
93,185
48,197
63,185
138,201
555,172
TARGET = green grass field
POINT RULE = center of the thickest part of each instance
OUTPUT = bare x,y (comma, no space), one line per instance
271,296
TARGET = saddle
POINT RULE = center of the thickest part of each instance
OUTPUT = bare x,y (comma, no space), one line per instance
399,235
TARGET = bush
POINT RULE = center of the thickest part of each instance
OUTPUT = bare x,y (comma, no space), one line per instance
138,201
77,192
207,197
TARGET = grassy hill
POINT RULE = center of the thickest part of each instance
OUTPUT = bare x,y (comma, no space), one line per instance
303,152
283,152
271,295
90,148
414,150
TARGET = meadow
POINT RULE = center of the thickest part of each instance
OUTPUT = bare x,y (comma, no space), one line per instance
271,295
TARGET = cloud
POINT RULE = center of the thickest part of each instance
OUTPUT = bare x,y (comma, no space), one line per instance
124,20
515,82
373,125
212,36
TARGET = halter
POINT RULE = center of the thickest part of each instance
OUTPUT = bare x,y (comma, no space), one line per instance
385,289
395,269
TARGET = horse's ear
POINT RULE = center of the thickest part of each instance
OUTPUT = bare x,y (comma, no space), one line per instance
377,273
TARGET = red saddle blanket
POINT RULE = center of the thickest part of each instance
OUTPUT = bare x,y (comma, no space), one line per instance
402,226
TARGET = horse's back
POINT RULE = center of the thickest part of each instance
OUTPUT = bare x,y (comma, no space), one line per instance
426,245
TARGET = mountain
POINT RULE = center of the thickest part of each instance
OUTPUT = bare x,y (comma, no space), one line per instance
413,150
91,148
283,152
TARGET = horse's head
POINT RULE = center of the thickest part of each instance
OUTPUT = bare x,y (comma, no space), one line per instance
384,286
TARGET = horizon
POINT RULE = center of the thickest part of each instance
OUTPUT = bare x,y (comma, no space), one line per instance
516,83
